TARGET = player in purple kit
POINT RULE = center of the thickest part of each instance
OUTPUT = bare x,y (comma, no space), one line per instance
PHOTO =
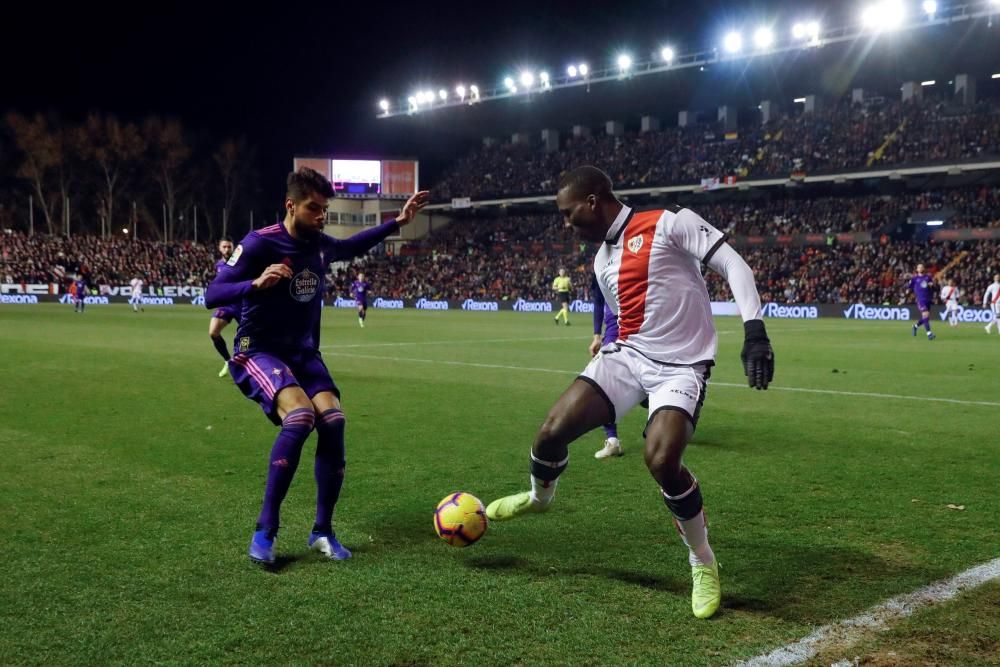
278,274
921,283
359,290
224,315
79,292
604,318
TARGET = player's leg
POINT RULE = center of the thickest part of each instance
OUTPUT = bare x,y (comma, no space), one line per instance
674,407
330,460
925,315
612,445
565,311
267,380
362,314
605,388
216,325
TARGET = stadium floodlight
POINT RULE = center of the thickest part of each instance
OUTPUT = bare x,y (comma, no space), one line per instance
624,62
527,79
584,69
884,15
509,83
799,31
460,91
543,77
812,29
763,37
930,7
799,100
934,223
733,42
667,54
474,93
571,71
124,230
412,100
429,96
443,94
928,83
384,105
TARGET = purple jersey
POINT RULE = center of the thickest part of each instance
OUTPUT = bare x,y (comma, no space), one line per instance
285,317
921,286
80,288
603,315
359,290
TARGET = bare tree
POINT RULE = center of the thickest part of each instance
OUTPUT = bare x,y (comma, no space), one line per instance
42,154
115,147
235,159
169,150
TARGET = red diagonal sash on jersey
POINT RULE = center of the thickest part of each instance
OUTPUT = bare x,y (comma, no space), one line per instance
633,275
950,293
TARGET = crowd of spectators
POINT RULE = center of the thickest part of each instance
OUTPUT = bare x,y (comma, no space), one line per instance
842,136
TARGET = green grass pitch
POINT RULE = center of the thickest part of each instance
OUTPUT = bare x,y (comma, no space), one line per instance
130,477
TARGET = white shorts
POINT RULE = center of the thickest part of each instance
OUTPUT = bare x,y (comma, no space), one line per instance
135,298
627,378
950,307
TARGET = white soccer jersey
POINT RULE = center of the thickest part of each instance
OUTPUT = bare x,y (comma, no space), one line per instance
992,297
649,269
136,284
950,296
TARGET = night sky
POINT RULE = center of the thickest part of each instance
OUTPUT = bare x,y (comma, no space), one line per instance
301,78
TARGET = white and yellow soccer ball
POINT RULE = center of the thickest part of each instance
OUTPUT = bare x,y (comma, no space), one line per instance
460,519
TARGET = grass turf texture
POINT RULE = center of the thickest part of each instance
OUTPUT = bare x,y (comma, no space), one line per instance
132,476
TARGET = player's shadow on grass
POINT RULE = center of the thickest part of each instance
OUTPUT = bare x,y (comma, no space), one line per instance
811,583
522,566
280,564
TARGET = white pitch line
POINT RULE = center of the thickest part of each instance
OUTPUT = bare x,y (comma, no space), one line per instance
452,342
804,390
876,619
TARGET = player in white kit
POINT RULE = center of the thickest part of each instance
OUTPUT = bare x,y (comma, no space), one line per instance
649,268
991,300
949,297
136,299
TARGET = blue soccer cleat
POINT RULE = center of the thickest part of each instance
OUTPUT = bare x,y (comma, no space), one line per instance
327,544
262,546
930,335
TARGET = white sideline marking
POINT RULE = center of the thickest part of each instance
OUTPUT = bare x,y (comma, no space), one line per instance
804,390
452,342
876,618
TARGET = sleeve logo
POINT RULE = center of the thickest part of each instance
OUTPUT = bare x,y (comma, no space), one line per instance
235,257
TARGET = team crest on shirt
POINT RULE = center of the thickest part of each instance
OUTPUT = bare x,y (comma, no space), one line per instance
635,244
235,257
304,286
244,343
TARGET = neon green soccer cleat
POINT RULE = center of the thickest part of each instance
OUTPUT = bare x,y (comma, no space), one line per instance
706,594
225,370
509,507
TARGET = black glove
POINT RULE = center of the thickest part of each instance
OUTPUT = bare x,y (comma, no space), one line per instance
757,355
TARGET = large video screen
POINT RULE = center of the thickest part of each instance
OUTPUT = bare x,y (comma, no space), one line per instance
367,179
356,176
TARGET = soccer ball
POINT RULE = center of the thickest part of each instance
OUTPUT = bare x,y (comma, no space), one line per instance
460,519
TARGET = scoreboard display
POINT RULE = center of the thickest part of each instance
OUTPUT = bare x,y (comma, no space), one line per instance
366,179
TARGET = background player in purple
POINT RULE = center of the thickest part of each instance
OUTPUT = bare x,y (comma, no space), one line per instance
278,274
359,290
921,283
79,292
608,321
224,315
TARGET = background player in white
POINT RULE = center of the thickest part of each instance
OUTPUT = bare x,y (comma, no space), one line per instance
991,300
649,269
949,297
136,299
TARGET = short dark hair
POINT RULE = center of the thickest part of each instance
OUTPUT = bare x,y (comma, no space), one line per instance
226,238
585,181
305,182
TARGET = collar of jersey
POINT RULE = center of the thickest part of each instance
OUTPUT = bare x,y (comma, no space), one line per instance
618,226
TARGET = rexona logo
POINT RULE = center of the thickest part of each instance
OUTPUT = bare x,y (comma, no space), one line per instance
87,300
19,298
390,304
198,300
469,304
980,315
427,304
523,306
860,311
341,302
155,300
579,306
778,311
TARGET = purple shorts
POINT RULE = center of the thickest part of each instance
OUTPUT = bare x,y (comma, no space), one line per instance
923,306
261,376
227,313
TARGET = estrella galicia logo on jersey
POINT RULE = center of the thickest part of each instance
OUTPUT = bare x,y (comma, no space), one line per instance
304,286
635,244
244,343
235,257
